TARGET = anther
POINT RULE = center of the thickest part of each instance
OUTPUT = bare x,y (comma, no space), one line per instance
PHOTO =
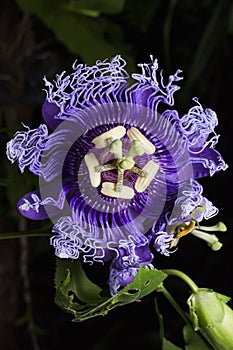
109,189
135,134
149,171
105,139
91,163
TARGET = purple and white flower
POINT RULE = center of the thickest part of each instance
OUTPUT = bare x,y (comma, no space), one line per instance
118,166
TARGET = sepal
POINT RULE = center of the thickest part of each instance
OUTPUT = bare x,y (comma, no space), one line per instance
212,317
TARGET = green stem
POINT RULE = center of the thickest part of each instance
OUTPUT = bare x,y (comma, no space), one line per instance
194,288
176,306
10,235
180,311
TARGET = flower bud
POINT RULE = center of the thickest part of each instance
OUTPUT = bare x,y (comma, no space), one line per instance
212,317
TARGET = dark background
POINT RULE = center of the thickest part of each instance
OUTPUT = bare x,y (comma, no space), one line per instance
44,37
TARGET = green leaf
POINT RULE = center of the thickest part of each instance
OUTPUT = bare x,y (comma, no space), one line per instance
193,339
77,294
167,345
81,35
74,280
95,7
145,282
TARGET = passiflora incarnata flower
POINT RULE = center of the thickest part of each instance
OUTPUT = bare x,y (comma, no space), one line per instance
118,166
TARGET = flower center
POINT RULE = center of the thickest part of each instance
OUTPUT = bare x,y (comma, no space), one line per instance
139,145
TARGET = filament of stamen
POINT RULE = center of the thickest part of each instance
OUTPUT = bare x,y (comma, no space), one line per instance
120,177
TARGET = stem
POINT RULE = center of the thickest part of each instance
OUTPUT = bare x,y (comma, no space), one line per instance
180,311
176,306
194,288
19,234
24,272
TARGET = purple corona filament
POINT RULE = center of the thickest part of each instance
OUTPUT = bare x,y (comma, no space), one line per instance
118,166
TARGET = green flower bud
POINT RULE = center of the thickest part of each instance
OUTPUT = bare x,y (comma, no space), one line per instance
212,317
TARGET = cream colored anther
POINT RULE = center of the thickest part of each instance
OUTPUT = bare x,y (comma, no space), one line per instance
150,170
91,163
135,134
105,139
109,189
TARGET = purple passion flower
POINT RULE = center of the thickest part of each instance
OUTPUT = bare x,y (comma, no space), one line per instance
117,166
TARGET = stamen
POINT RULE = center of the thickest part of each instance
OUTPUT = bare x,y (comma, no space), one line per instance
135,134
220,227
211,239
120,179
91,163
138,171
105,167
109,189
105,139
112,140
150,170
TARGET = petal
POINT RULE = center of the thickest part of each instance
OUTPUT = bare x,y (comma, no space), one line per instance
198,124
30,206
86,86
125,266
26,148
49,112
207,162
151,90
70,240
162,241
47,202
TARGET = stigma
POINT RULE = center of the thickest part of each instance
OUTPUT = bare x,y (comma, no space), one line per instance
122,161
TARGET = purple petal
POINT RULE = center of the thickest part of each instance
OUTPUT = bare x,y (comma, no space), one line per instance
30,206
162,242
207,162
49,112
198,124
47,202
70,240
125,266
26,148
151,90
